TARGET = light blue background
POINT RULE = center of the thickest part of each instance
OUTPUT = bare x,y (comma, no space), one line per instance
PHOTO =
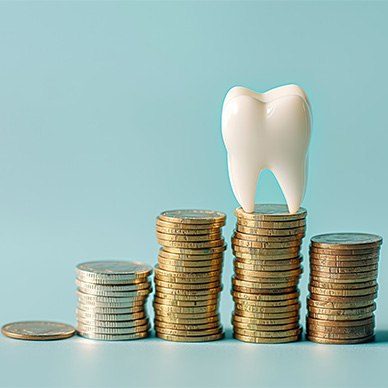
110,113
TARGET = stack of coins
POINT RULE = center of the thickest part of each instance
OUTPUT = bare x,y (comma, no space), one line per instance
188,275
343,288
267,267
111,300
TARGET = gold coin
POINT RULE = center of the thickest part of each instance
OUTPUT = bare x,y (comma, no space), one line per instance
342,270
189,333
188,238
343,264
330,317
238,263
339,305
196,252
191,257
266,303
291,281
185,286
187,321
271,212
186,275
247,314
351,331
159,313
345,258
165,309
342,286
251,326
188,281
38,330
265,309
250,284
193,217
343,292
200,227
186,298
172,268
346,299
270,274
346,241
360,277
260,259
351,253
365,333
340,342
267,334
272,290
176,338
261,340
266,245
342,312
160,290
177,326
262,297
334,324
191,245
185,303
272,224
265,321
267,239
271,232
264,253
187,232
191,265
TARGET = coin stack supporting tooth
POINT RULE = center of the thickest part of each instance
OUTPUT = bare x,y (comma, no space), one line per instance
343,288
111,300
266,245
188,275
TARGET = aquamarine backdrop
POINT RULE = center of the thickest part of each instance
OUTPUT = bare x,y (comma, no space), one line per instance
110,113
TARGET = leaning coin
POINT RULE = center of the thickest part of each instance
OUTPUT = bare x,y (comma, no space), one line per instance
262,340
114,337
38,330
176,338
340,342
193,216
346,240
298,231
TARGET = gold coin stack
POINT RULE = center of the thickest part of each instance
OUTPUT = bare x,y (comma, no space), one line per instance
111,300
343,288
267,268
188,275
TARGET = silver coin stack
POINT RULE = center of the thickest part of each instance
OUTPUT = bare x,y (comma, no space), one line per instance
112,299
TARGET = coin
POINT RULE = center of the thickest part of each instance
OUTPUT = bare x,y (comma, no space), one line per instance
329,317
159,307
266,303
195,251
185,327
250,284
350,331
202,228
175,268
91,287
185,286
277,291
110,310
264,297
346,240
188,238
271,212
85,315
266,239
265,321
188,276
177,315
112,324
187,321
193,217
38,330
216,263
266,309
343,270
189,333
189,232
265,244
336,324
167,244
361,277
343,264
250,326
340,342
267,334
278,253
111,271
291,281
182,303
339,305
285,315
111,330
344,252
338,299
102,301
114,337
362,334
270,232
176,338
343,292
343,312
272,224
261,275
191,257
204,293
260,267
342,286
262,340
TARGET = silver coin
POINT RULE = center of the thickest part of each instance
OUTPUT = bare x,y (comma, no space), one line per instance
106,301
112,330
125,294
110,271
110,317
115,337
109,310
112,324
112,287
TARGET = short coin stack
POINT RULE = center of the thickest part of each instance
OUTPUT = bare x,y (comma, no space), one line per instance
266,245
343,288
111,300
188,275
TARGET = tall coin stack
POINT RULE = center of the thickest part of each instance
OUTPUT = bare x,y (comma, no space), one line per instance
267,267
188,275
343,288
111,300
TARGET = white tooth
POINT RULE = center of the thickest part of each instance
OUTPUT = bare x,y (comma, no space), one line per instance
267,131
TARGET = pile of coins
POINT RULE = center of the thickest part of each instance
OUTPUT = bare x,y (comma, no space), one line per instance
188,275
111,300
267,268
343,288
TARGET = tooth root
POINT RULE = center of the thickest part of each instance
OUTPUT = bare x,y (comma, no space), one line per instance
243,178
291,179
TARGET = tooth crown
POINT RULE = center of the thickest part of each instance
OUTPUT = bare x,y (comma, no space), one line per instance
267,131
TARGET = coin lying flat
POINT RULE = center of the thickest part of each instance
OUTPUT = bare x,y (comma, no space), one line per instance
38,330
346,240
265,340
193,217
176,338
271,212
